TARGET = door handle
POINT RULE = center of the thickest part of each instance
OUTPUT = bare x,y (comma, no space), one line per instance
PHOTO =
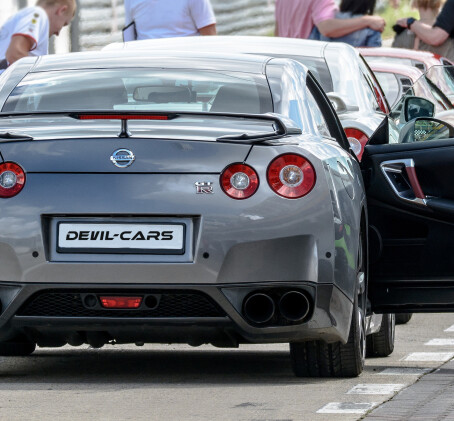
406,188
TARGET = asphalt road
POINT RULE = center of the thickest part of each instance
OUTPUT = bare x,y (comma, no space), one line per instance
175,382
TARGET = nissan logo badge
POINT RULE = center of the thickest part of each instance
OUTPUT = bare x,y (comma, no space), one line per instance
122,158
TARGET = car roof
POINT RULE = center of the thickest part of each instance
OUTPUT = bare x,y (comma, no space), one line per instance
402,69
426,57
237,43
173,59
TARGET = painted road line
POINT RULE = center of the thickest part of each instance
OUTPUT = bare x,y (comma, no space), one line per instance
450,329
440,342
375,389
429,356
347,407
404,371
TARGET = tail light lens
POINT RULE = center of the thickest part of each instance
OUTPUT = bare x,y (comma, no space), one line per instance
239,181
291,176
12,179
359,136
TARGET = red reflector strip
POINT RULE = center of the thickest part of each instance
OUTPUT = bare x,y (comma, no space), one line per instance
121,302
121,117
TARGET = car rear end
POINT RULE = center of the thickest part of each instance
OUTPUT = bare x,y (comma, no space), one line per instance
135,225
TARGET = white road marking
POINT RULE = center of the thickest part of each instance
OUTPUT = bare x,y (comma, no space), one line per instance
440,342
429,356
375,389
347,407
450,329
404,371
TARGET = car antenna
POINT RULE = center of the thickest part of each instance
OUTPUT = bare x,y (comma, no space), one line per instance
124,129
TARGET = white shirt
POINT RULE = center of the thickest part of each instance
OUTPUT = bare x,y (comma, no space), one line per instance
167,18
32,23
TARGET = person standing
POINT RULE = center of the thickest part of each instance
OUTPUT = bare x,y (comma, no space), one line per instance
297,19
428,12
168,18
28,31
365,37
439,37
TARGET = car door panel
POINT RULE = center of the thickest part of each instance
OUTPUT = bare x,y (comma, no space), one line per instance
410,192
424,169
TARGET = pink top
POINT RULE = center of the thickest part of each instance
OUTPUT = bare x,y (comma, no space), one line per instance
296,18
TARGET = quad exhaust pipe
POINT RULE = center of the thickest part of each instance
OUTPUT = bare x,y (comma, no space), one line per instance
259,308
293,306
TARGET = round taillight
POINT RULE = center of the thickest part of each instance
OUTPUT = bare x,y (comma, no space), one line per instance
12,179
239,181
291,176
357,135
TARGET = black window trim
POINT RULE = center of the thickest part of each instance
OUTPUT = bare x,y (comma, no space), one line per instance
329,114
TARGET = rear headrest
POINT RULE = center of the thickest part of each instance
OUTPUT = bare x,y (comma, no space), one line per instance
236,99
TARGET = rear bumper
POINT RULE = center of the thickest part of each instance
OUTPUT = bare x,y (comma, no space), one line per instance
193,314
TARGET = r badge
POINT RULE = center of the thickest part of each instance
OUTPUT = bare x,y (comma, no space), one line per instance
204,187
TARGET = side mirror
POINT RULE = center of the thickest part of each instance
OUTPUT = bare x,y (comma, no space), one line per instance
414,107
339,104
424,129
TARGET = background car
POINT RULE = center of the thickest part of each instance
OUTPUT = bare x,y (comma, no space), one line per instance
397,79
340,70
422,60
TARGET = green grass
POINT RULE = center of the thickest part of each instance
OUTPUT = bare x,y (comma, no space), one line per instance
391,16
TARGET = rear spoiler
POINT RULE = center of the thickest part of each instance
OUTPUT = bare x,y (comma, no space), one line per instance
283,126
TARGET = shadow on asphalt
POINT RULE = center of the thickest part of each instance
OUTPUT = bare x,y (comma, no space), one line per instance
173,367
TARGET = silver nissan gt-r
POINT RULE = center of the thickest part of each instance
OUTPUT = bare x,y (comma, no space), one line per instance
188,198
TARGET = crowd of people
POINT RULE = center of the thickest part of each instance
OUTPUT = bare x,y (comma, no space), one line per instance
353,22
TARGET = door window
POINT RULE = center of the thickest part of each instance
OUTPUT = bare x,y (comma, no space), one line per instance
390,85
318,116
377,94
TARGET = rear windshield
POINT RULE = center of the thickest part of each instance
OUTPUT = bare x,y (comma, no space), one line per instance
141,90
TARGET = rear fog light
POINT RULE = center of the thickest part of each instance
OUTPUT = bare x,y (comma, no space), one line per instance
121,302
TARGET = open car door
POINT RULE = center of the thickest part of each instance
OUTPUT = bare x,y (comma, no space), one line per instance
409,180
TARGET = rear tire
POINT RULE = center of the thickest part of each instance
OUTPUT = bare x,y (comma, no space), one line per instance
319,359
16,349
381,344
403,318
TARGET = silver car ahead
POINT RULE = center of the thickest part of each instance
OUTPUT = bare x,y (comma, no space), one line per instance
338,67
146,199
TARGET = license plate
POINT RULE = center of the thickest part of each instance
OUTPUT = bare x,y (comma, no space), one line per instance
153,238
